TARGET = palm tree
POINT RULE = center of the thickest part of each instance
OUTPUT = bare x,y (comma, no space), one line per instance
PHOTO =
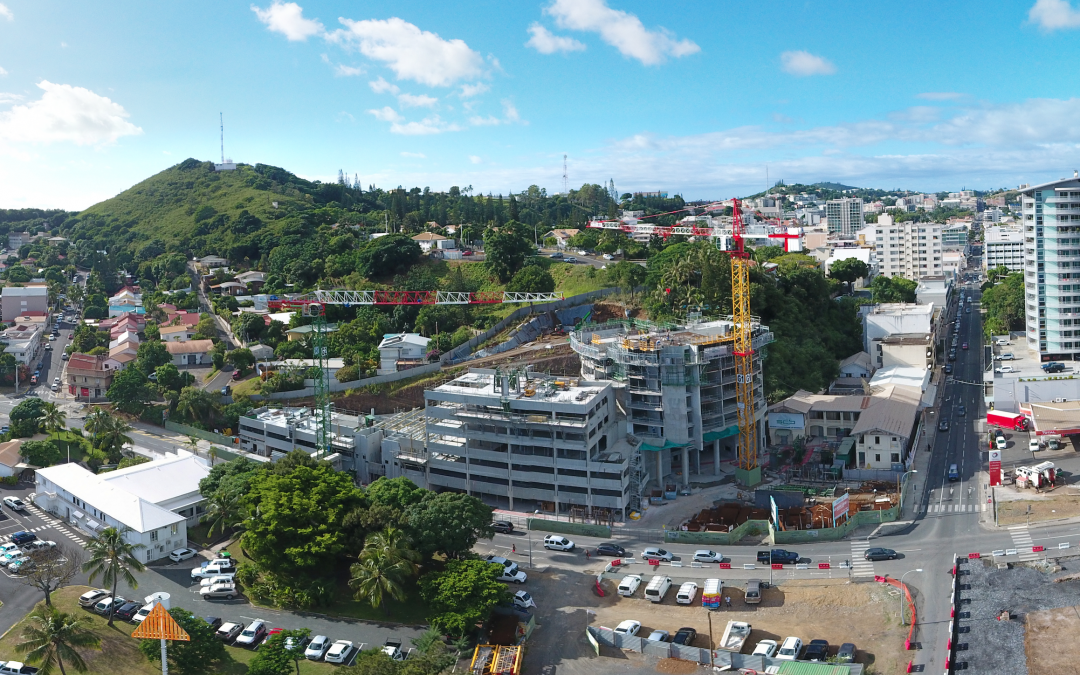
113,558
96,422
52,636
222,511
384,565
392,544
212,453
52,418
114,436
195,404
192,444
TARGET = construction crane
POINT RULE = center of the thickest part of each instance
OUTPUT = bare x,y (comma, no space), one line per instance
313,305
748,472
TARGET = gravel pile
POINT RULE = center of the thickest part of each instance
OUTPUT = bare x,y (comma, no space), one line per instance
991,646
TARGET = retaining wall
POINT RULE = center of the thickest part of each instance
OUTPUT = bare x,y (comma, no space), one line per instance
718,538
336,386
560,527
184,429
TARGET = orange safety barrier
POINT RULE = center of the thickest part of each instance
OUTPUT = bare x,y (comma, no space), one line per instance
910,602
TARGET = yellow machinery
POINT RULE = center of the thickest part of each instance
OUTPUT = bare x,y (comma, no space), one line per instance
748,472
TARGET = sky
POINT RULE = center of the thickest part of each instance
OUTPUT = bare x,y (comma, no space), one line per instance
705,98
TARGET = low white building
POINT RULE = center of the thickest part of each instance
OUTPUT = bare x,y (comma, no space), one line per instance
190,352
400,351
153,502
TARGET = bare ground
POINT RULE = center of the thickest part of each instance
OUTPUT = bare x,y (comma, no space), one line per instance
1045,506
1046,641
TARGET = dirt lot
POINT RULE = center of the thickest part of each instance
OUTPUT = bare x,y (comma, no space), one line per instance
1047,632
866,614
1046,506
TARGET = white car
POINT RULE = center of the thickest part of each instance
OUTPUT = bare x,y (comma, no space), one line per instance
14,503
11,556
659,636
707,556
766,648
1033,445
608,256
182,554
226,590
518,577
556,542
8,547
211,570
141,615
218,579
654,553
317,647
251,635
628,627
1005,369
789,651
583,252
38,545
522,600
339,652
629,585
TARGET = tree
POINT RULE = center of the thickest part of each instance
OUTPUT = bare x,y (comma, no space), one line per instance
849,270
377,578
26,417
626,275
222,512
273,658
242,359
386,256
194,656
41,453
112,557
250,327
505,251
893,289
152,354
52,569
463,594
195,404
448,523
232,476
1004,305
396,493
129,391
532,279
51,637
169,378
52,418
113,436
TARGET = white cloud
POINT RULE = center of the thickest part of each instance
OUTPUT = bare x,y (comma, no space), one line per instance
804,63
1053,15
344,116
488,121
6,13
3,71
621,30
413,54
67,114
470,90
288,19
940,95
510,116
781,118
381,86
511,112
387,114
475,160
425,127
416,101
416,155
546,42
6,98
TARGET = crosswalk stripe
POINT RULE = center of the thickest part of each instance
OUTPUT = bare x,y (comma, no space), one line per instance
1022,542
860,567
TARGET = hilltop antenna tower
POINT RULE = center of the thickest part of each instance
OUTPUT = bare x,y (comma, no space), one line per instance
565,182
221,121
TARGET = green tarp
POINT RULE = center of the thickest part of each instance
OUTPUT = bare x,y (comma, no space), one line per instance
711,436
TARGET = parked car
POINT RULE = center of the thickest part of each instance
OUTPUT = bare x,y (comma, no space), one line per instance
14,503
707,556
181,554
659,636
1033,445
502,526
789,650
611,549
570,259
608,256
557,542
1005,369
878,553
21,565
225,591
778,556
948,369
629,584
252,635
339,652
297,644
104,606
684,636
228,632
516,576
218,579
127,611
628,627
317,647
91,598
846,653
817,650
1007,356
498,559
654,553
212,570
522,600
766,648
10,546
213,621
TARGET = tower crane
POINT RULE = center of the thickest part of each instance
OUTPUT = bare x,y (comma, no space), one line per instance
748,472
313,305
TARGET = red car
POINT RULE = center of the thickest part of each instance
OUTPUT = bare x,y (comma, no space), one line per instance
963,346
466,252
236,373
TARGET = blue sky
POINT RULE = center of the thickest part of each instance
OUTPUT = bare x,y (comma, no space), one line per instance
923,95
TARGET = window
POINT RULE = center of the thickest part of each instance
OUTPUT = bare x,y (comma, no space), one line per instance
153,536
877,441
877,457
895,458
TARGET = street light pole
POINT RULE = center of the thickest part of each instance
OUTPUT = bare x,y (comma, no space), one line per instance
902,592
903,480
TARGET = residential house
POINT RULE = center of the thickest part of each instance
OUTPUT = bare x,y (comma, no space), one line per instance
11,461
190,352
400,351
262,352
252,280
127,300
428,240
23,341
16,300
179,333
87,377
56,241
152,503
858,365
125,338
212,262
16,240
561,236
185,318
121,357
302,332
229,288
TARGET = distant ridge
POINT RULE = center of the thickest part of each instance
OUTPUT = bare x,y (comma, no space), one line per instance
834,186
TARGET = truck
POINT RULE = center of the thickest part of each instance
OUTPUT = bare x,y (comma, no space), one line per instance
16,668
392,648
1042,475
735,636
1014,421
711,596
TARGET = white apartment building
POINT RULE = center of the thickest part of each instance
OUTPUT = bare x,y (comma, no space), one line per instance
1003,247
17,300
895,318
845,216
1051,214
275,432
525,441
678,389
909,250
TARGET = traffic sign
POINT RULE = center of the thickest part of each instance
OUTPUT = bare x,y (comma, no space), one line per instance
159,625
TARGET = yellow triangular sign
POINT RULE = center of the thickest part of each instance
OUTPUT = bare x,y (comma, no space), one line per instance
158,625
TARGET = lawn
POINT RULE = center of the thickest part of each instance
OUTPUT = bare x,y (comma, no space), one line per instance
79,444
246,387
411,611
120,653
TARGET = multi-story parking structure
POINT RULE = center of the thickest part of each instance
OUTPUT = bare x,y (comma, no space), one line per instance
677,384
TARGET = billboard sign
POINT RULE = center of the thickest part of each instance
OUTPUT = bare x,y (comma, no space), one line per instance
995,468
840,508
775,512
786,420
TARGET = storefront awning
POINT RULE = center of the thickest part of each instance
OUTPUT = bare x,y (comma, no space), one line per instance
76,514
93,524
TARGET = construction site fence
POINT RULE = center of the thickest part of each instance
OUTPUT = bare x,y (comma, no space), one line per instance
910,605
336,386
750,527
227,441
561,527
858,519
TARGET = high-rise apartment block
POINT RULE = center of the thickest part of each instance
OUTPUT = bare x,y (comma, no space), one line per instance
1051,219
845,216
1003,247
910,250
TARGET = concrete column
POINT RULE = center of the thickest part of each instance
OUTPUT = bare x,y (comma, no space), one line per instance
716,457
660,469
685,457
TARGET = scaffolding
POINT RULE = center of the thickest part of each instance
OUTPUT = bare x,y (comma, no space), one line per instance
496,660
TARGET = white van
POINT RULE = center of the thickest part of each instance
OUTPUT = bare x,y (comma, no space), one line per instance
657,588
687,593
629,585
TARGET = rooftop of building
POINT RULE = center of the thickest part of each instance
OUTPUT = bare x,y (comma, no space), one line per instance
25,291
305,419
1054,417
189,346
858,359
162,480
902,308
395,339
1070,183
645,336
129,509
86,362
907,339
482,383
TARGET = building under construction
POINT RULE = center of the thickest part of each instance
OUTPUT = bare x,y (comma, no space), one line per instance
677,385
